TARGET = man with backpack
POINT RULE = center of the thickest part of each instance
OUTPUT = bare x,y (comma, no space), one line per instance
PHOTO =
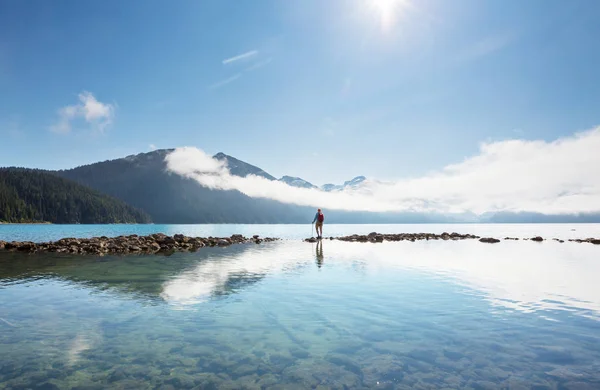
319,218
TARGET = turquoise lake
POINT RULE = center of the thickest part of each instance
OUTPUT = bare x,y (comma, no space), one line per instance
296,315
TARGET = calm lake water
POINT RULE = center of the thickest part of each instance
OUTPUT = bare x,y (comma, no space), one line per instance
294,315
37,233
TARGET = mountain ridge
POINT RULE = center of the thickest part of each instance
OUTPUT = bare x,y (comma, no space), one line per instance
174,199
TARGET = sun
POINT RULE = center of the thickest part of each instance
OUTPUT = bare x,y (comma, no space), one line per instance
387,11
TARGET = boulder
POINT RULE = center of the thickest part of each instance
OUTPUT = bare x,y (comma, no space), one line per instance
223,242
237,238
27,247
180,238
595,241
12,245
489,240
537,238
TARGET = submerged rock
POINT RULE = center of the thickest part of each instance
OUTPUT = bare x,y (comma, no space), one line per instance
379,237
489,240
154,243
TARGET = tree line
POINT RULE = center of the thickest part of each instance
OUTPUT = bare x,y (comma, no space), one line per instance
33,195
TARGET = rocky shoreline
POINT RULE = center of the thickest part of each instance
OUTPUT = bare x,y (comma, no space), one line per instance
132,244
162,243
380,237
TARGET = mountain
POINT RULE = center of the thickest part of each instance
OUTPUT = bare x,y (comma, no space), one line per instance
296,182
31,195
331,187
354,183
143,181
241,168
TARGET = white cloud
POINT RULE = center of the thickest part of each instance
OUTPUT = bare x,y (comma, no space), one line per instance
152,147
226,81
555,177
99,115
240,57
503,279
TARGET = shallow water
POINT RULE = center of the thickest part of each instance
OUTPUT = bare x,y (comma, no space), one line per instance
429,315
38,233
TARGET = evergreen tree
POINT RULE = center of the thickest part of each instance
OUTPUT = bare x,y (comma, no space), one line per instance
32,195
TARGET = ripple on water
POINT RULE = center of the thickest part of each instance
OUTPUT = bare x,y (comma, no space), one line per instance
284,315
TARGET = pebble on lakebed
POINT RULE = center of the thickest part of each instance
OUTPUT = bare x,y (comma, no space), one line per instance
154,243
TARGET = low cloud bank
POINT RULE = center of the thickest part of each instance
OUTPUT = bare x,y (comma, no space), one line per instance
558,177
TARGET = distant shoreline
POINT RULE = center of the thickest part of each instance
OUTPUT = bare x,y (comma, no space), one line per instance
306,223
26,223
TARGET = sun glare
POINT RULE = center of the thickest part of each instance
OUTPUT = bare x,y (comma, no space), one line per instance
387,11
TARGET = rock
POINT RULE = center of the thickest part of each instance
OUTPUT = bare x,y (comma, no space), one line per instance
13,245
537,238
595,241
312,239
117,375
47,386
489,240
2,244
26,247
255,236
223,242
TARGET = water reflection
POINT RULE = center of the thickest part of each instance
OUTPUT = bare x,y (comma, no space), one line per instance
515,275
390,315
319,253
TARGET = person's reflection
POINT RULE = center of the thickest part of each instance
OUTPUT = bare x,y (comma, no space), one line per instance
320,253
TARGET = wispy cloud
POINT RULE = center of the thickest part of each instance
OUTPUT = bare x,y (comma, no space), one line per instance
259,64
97,114
486,46
244,56
226,81
152,147
557,177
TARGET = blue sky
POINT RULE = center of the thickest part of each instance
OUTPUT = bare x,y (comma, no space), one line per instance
322,90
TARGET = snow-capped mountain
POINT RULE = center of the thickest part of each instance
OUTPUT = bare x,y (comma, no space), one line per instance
297,182
354,183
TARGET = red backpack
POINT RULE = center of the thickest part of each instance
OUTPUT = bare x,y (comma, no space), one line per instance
321,217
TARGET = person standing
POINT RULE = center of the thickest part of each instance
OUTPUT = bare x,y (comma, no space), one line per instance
318,221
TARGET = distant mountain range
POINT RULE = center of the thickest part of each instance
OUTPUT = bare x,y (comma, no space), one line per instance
143,183
243,169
